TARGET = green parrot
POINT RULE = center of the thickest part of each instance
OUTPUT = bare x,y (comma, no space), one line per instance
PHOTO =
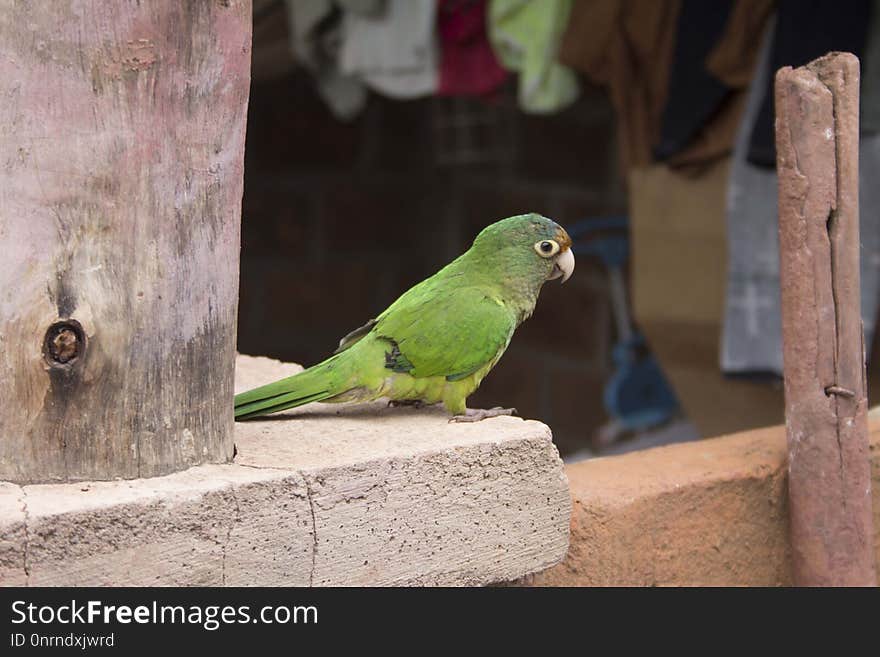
441,337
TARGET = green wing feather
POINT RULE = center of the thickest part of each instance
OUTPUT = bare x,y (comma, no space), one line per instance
447,332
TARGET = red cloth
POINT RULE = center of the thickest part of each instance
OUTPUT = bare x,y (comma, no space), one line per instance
468,66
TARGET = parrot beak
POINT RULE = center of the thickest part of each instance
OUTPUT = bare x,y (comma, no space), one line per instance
564,266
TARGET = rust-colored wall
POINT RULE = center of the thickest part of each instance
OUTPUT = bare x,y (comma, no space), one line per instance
711,512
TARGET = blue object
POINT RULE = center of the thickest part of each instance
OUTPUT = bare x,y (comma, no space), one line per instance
637,395
602,237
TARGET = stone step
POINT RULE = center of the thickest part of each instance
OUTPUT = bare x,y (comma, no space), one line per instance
321,495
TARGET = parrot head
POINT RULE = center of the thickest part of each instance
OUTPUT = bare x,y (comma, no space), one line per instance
527,245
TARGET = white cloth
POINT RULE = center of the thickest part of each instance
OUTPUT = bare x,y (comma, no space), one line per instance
395,52
751,340
315,39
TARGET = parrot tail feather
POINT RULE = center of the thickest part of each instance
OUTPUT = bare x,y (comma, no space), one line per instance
314,384
274,404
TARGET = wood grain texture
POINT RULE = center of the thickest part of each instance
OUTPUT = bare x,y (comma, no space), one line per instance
122,131
823,350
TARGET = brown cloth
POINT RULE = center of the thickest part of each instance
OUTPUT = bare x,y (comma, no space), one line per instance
628,46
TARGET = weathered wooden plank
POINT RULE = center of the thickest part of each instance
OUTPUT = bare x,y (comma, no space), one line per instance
823,349
121,151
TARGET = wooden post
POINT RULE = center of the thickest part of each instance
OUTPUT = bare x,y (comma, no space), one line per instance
817,143
121,152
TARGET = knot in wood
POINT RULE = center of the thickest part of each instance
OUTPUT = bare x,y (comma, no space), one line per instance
64,343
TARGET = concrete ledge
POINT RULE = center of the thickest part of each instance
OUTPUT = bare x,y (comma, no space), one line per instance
337,496
712,512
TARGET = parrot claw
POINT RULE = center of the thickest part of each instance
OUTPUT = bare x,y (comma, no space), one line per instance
477,414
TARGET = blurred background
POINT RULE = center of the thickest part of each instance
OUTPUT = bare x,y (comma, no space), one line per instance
383,135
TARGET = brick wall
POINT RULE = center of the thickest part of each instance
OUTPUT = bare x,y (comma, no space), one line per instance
340,219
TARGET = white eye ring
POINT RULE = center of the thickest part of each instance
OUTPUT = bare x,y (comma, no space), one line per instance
546,248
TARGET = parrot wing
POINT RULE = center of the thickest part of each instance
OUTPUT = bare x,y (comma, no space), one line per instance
355,336
450,333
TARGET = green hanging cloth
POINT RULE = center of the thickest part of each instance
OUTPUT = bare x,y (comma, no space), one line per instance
525,36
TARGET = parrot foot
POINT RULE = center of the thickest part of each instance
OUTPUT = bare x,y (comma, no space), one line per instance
477,414
413,403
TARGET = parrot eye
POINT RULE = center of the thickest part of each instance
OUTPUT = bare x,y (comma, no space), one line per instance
546,248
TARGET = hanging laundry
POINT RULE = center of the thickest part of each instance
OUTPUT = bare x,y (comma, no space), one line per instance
525,36
751,340
315,29
710,80
805,31
395,52
468,66
677,71
626,46
734,58
694,95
